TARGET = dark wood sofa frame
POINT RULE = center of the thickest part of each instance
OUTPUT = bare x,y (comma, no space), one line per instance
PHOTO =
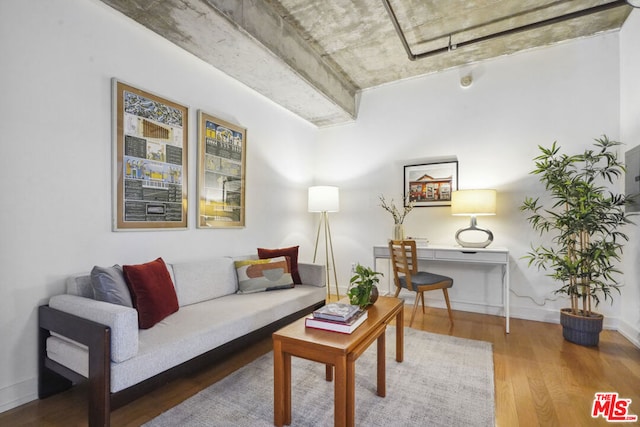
54,377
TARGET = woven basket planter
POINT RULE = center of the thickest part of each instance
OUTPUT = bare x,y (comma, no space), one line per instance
580,329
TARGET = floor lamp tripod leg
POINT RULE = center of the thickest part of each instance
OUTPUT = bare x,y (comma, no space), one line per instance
315,252
333,261
328,247
325,220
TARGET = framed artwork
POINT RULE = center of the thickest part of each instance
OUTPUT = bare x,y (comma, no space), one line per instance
150,160
222,148
430,184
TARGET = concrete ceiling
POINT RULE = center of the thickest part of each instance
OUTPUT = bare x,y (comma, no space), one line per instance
313,56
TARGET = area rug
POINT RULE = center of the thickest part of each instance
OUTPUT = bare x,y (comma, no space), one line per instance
443,381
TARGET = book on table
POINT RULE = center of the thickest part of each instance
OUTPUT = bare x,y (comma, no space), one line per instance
336,311
336,326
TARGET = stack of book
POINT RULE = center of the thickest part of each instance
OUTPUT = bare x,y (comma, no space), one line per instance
337,317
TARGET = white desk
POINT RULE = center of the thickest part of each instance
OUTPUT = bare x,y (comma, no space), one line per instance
492,255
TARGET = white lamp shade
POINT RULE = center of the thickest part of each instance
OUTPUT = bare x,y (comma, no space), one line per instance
324,198
473,202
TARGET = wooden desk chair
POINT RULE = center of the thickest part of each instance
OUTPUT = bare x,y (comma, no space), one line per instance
407,276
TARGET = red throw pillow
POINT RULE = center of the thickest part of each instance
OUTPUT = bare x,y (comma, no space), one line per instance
291,252
152,291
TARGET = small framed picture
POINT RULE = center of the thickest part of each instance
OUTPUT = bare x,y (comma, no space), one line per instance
430,184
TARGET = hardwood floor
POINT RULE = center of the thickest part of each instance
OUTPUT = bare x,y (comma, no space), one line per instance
540,379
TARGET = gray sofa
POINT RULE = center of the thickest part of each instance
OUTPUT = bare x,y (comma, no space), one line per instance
84,338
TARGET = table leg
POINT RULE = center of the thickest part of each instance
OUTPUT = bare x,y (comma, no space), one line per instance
287,388
278,384
328,372
400,335
351,392
341,393
382,387
505,285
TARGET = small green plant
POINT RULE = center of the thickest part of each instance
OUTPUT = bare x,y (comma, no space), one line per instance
583,220
361,285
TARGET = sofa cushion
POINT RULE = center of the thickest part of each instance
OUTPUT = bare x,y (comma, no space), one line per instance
152,291
291,252
204,280
109,285
263,275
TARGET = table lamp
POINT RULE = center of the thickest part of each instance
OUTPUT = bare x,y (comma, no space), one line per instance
473,203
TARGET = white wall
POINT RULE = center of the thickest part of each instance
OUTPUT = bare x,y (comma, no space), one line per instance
568,93
58,58
630,133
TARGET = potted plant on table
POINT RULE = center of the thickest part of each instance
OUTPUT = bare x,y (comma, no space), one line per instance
583,220
362,286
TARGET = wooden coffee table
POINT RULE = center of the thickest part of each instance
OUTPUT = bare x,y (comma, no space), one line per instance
338,351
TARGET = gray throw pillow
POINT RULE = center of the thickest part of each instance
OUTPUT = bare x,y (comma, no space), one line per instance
109,285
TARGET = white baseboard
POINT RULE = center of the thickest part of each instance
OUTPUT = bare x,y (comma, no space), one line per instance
18,394
553,316
538,314
533,313
470,306
629,332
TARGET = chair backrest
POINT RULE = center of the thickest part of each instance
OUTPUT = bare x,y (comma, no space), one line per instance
403,260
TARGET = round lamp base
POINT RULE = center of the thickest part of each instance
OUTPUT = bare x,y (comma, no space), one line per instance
465,244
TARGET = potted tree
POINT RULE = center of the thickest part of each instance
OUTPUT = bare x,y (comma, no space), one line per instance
583,220
362,286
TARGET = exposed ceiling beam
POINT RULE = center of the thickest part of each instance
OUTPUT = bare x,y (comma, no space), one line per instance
233,35
452,45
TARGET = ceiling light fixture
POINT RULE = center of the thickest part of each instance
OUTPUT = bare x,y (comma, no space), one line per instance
465,81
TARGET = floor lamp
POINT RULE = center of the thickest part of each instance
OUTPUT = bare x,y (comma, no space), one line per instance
325,199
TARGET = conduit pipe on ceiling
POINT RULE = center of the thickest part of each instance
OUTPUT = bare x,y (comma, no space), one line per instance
452,46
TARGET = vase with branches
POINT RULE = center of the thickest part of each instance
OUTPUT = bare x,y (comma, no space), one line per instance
397,214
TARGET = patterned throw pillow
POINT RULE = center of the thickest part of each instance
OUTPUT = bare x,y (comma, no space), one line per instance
291,253
259,275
